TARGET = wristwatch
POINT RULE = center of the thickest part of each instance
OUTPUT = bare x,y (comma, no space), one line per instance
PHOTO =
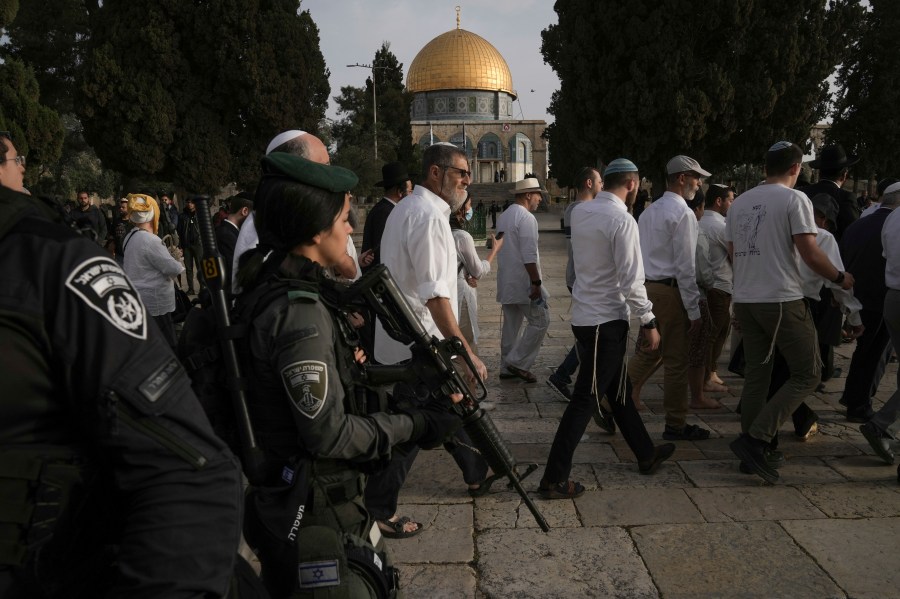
649,325
536,283
839,279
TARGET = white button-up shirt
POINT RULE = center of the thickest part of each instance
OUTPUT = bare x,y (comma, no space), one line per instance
520,247
669,232
812,282
247,239
890,241
418,248
712,224
609,271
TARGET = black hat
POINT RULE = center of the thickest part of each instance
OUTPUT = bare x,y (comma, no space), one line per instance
832,157
392,175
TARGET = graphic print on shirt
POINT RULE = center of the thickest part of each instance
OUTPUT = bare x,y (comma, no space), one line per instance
306,383
748,230
102,285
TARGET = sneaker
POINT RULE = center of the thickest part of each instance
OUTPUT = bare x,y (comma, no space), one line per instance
661,453
878,441
774,458
567,490
753,455
561,389
690,432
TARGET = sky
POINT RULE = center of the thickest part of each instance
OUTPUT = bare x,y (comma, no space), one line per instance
351,31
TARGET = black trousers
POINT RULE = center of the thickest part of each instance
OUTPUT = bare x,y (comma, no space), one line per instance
611,341
867,364
383,488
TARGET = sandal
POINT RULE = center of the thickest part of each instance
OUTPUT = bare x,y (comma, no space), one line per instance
567,490
522,374
484,487
391,529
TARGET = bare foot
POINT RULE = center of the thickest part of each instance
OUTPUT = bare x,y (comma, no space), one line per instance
704,403
714,378
714,387
636,398
408,526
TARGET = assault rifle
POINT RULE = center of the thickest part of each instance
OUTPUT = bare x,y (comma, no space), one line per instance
213,266
433,365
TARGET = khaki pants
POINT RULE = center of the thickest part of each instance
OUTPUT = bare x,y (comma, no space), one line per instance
790,325
719,304
673,326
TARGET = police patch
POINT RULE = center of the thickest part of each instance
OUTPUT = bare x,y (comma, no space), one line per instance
307,384
103,286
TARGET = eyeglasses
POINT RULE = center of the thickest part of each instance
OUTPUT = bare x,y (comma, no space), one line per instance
20,160
463,172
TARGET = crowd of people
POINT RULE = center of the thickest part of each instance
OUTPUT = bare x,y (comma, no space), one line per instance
98,383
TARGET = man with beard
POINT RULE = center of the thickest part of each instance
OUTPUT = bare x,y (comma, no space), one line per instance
718,298
88,216
669,230
418,248
191,245
609,283
121,226
519,285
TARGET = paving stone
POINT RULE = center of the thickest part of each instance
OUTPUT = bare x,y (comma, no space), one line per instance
540,430
862,468
626,476
629,507
501,512
860,555
744,504
854,500
446,538
735,560
585,453
596,562
437,581
434,478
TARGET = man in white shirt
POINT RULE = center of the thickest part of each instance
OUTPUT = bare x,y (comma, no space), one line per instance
609,283
418,248
519,285
768,226
718,297
298,143
587,182
669,232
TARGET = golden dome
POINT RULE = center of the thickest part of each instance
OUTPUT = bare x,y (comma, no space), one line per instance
459,59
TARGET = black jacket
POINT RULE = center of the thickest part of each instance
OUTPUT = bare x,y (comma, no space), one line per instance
861,252
848,209
374,228
85,369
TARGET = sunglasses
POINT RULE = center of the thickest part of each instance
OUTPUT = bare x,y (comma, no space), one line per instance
463,172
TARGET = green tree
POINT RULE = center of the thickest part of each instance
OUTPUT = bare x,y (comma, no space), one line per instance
353,134
36,129
865,118
719,79
194,94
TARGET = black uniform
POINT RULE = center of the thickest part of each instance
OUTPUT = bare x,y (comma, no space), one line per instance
111,480
304,406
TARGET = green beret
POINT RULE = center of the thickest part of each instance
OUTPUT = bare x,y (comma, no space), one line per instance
323,176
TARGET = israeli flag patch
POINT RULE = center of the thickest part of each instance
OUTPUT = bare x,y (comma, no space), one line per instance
314,575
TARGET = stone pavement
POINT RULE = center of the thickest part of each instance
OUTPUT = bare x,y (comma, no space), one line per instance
697,528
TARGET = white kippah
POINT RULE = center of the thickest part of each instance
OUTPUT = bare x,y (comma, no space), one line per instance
283,137
780,145
892,188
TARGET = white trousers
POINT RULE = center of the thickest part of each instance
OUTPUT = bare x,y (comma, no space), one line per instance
519,345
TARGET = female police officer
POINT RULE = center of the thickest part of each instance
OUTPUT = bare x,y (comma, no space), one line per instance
314,432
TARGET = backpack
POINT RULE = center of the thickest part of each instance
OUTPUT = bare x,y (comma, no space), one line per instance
199,350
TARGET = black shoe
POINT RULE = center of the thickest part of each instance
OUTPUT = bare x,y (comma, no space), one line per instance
774,458
661,453
752,454
691,432
809,427
561,389
878,441
603,417
861,416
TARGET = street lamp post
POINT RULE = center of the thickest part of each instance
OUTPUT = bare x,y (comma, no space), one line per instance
372,68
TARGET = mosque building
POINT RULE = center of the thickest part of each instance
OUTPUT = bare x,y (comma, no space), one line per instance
463,93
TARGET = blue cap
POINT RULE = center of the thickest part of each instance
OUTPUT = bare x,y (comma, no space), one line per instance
620,165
